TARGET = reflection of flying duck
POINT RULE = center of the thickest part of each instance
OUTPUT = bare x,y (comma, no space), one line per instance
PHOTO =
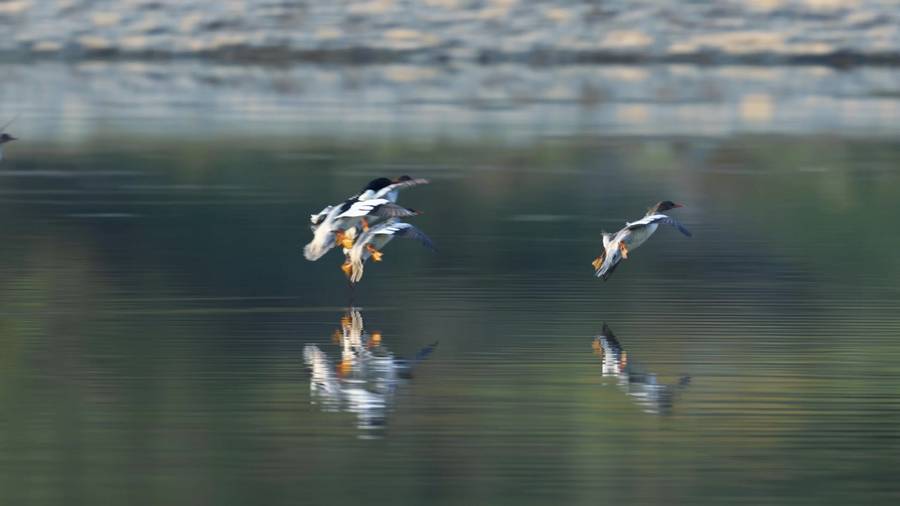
641,386
5,137
364,380
337,224
617,246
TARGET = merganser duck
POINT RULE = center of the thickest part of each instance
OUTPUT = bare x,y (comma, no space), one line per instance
376,200
330,232
643,387
371,241
5,137
384,188
380,188
617,246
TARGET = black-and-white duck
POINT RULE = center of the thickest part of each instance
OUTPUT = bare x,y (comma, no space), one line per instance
376,200
379,188
616,247
370,243
5,137
384,188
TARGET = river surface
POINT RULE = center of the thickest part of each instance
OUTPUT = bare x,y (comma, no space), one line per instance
163,341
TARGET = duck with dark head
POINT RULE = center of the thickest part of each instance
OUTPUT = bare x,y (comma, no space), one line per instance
663,206
339,224
616,247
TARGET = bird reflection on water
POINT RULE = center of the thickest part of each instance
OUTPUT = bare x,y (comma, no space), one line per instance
642,386
365,378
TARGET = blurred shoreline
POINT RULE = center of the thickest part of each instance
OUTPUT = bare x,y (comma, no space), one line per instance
747,32
69,102
281,56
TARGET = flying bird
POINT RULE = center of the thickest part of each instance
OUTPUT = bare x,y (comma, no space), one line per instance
331,230
336,225
379,188
616,247
384,188
5,137
370,243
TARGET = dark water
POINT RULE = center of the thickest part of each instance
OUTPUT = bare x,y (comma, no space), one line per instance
164,342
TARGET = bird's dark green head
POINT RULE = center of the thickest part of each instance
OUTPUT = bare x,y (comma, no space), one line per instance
665,205
377,184
5,137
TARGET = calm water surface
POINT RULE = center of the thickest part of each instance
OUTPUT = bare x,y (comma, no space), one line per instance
164,342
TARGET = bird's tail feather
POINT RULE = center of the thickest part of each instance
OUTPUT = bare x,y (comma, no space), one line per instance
357,274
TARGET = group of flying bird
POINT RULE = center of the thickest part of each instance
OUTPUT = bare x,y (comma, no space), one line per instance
364,223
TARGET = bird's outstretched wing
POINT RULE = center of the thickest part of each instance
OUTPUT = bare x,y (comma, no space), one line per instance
668,220
405,230
3,128
383,208
658,218
391,210
403,183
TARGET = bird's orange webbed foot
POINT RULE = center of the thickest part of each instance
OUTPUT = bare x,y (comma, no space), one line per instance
376,255
347,268
624,250
365,225
343,240
597,262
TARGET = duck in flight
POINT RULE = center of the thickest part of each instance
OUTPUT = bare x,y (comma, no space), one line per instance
384,188
337,225
370,243
5,137
379,188
616,247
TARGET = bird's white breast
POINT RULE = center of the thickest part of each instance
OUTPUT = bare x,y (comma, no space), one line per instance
640,235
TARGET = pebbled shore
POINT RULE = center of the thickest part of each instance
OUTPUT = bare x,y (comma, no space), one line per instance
820,32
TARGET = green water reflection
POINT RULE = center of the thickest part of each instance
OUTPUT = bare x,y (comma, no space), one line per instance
156,305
